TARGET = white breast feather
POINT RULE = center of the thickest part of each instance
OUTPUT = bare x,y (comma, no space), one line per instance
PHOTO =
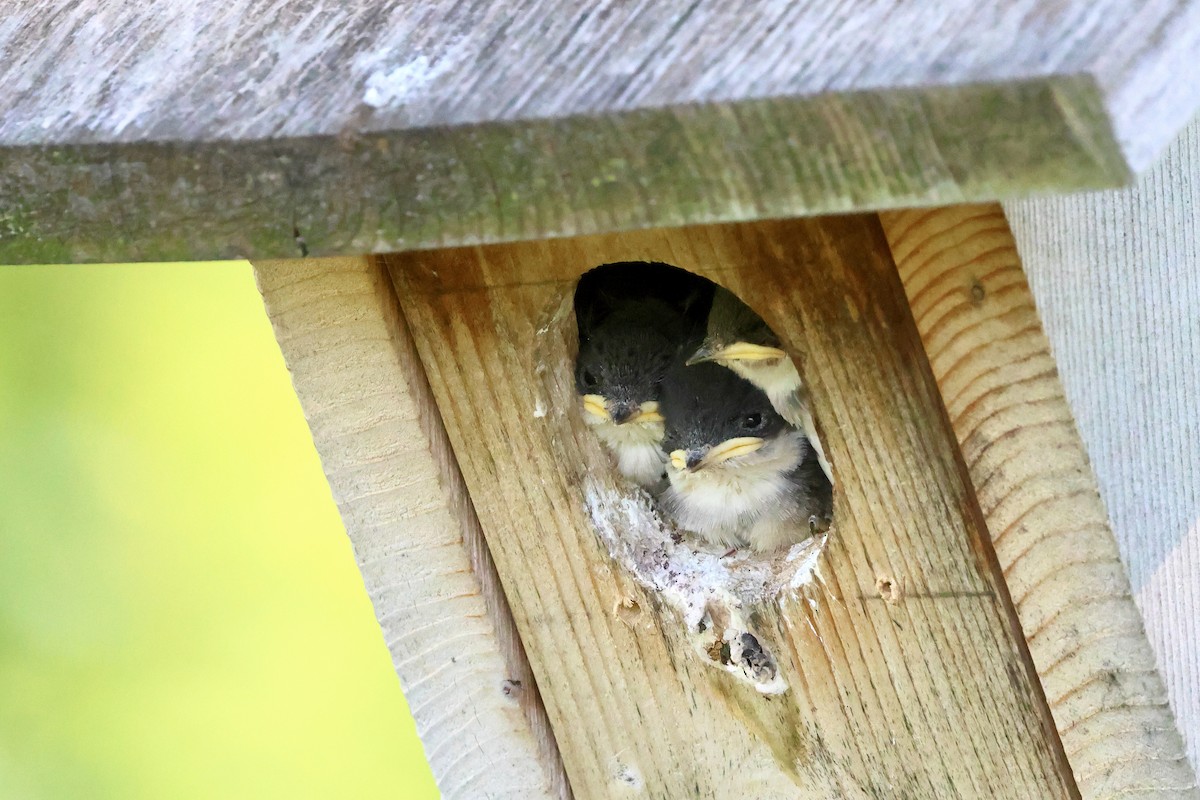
637,447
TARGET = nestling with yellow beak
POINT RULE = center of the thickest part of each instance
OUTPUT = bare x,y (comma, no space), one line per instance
739,473
635,320
739,339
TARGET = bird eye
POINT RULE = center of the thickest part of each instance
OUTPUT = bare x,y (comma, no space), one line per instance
752,422
589,380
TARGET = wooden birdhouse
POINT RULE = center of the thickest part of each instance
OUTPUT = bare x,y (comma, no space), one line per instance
420,190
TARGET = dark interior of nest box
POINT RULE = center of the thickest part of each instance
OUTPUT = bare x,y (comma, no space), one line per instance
714,589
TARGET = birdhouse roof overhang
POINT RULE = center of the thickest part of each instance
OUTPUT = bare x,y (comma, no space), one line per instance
143,132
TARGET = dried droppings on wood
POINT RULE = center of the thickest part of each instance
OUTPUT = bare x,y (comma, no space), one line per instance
627,780
711,595
715,649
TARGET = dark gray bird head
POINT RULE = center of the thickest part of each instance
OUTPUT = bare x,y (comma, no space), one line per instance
714,417
736,334
634,320
622,362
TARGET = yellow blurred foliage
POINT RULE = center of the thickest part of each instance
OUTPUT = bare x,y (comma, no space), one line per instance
180,613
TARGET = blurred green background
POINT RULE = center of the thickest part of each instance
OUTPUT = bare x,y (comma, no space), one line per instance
180,613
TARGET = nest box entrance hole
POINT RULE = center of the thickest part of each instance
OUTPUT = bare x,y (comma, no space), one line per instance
681,398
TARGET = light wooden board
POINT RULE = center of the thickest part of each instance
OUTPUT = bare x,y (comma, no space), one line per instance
993,364
906,672
415,535
1117,280
132,131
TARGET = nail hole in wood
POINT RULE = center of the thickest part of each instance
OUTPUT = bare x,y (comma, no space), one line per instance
889,590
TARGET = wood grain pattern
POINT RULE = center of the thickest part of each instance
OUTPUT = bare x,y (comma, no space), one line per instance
1117,279
415,535
992,362
906,672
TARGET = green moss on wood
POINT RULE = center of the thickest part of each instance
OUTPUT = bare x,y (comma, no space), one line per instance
501,182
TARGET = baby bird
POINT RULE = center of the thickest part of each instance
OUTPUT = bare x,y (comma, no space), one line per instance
739,473
739,339
635,319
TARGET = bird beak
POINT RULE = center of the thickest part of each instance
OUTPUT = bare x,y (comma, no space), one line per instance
738,351
621,413
732,448
628,412
596,405
687,459
692,460
648,412
705,353
624,412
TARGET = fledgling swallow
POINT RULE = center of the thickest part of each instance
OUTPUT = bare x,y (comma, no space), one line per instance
635,319
738,338
739,473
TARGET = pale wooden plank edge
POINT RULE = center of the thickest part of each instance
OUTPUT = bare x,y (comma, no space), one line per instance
414,530
981,331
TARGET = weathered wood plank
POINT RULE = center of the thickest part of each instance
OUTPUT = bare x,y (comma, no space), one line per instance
164,131
239,71
905,670
415,534
976,316
503,182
